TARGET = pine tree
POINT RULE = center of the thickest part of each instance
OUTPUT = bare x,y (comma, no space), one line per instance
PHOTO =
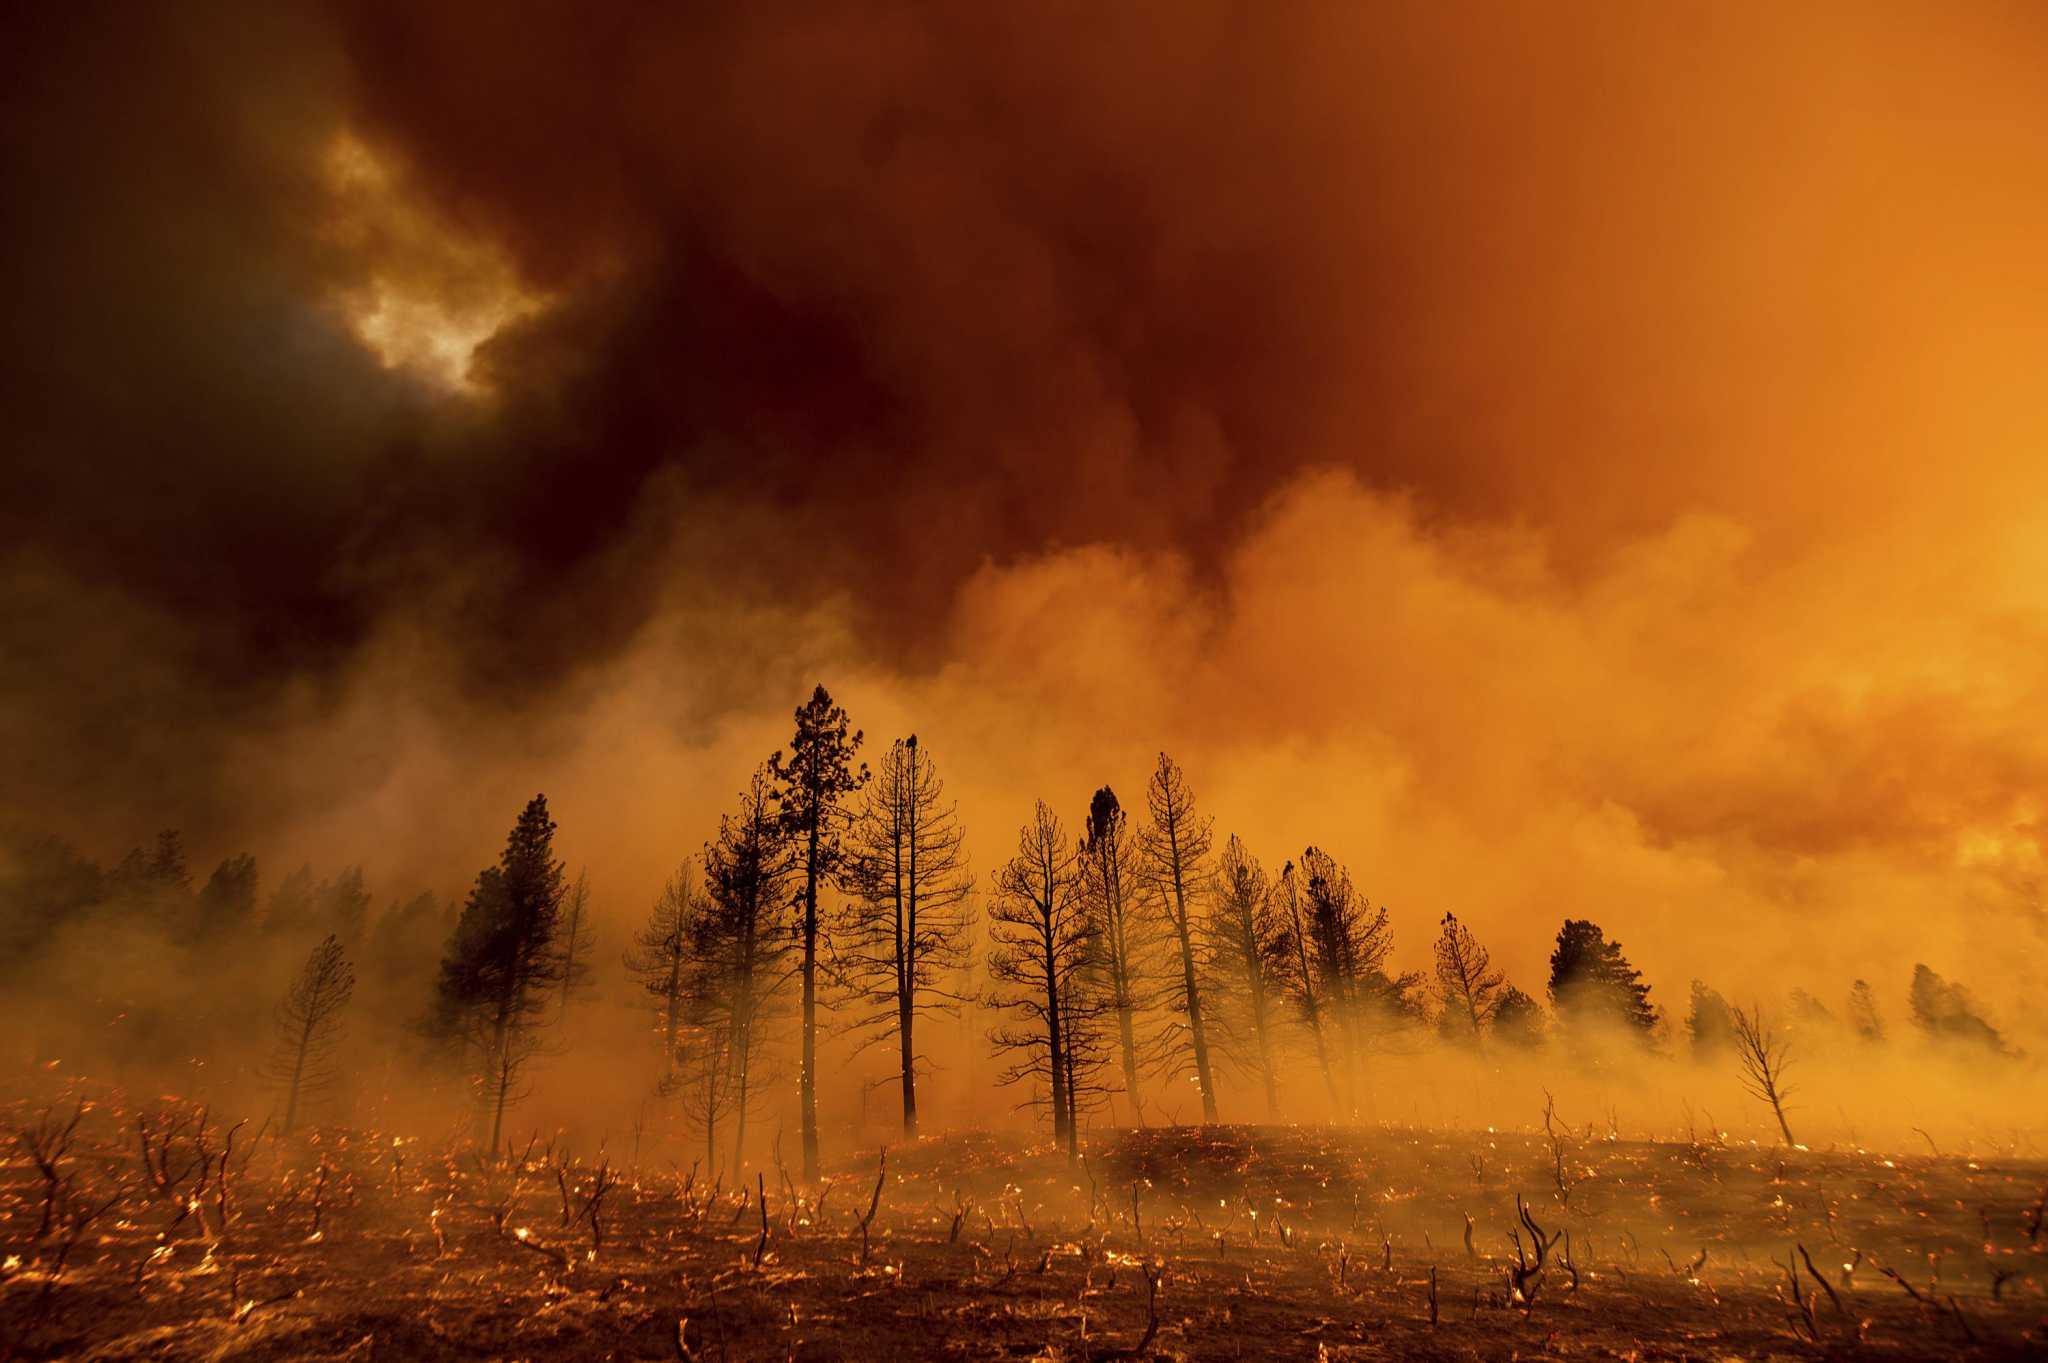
812,786
1592,984
1864,1018
579,941
1948,1014
1172,851
309,1026
227,902
504,962
1710,1022
1249,961
1041,946
1517,1020
1349,942
1126,955
682,988
1468,985
744,953
1302,981
900,940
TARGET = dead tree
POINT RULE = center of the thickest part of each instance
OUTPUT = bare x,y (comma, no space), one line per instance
903,934
1467,983
579,940
1172,853
309,1027
46,1143
1127,942
1042,939
1250,948
1763,1059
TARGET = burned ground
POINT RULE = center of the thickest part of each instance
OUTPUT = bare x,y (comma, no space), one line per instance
165,1241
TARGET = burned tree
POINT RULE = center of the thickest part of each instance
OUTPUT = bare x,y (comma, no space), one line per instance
309,1026
1250,949
504,963
660,956
1467,983
695,1045
1301,980
1349,941
745,954
902,936
812,785
1172,850
1127,944
1763,1059
1592,985
1041,942
579,940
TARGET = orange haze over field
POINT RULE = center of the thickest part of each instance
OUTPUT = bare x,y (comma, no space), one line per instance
1566,460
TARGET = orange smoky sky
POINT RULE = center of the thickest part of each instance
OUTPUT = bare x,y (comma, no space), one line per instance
1577,459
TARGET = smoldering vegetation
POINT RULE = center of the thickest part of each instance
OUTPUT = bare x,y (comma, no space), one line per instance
853,1081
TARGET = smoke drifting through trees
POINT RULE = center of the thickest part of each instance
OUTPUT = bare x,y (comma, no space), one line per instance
1106,960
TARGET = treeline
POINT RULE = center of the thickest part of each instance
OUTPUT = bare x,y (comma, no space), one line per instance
1137,967
144,965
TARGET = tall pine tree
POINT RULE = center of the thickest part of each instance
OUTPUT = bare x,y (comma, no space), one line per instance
812,785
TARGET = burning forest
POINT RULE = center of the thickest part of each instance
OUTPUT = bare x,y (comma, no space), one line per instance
1185,682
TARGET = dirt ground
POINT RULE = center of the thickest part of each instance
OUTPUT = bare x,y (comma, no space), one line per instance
1181,1243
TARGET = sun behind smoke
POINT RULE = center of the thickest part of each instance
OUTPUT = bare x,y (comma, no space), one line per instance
425,294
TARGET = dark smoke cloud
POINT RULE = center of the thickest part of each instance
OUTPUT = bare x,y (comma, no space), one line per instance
843,301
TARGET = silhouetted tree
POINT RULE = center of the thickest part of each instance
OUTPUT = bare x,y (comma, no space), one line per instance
1947,1013
1348,945
1172,850
683,990
812,786
901,937
290,909
1517,1020
504,961
1592,984
227,902
1041,944
1763,1058
1125,958
1250,953
342,905
1710,1023
309,1026
1303,981
1864,1018
744,951
579,940
46,886
1466,981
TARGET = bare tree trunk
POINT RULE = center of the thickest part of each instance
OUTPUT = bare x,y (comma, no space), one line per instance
1062,1116
1130,1049
291,1107
807,1080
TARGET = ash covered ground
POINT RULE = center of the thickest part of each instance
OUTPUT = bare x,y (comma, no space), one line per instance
159,1230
